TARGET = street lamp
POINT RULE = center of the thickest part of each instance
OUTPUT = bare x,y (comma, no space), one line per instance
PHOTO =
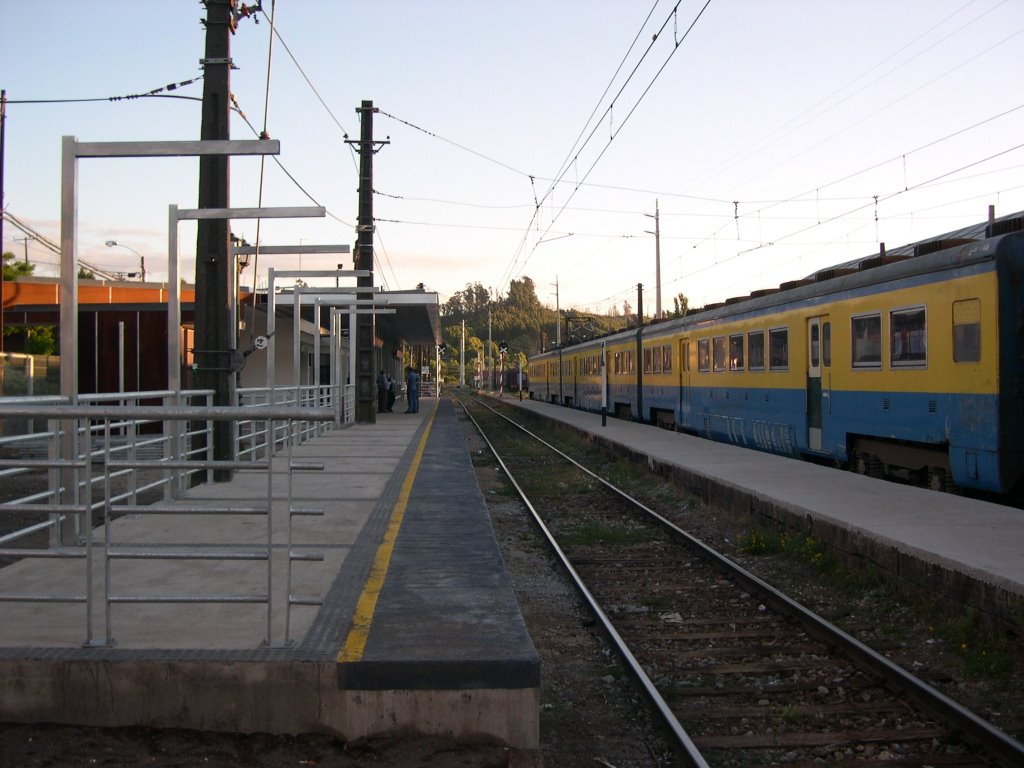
142,259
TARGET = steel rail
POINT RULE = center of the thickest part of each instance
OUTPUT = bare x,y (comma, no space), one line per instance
976,730
689,752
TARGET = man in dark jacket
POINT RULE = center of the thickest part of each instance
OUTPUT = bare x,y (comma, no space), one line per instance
412,381
382,392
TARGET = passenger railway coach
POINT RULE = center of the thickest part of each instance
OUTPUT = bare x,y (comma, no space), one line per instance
909,363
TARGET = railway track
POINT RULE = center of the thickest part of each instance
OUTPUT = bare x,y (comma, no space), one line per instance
740,674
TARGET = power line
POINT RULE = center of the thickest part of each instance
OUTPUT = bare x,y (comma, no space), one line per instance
576,148
564,167
155,92
935,142
780,132
288,173
481,155
276,32
678,42
51,246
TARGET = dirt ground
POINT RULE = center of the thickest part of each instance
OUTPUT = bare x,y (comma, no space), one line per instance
52,746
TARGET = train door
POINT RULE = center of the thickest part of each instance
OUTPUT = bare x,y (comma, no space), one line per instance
576,364
819,360
684,383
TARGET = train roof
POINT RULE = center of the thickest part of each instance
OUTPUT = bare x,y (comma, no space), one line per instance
853,273
861,271
1003,225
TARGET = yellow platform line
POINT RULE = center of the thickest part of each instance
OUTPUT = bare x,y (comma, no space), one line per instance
355,643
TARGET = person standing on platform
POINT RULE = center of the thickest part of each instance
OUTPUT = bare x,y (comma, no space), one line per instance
412,382
382,392
392,394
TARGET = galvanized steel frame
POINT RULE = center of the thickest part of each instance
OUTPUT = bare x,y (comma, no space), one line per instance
120,417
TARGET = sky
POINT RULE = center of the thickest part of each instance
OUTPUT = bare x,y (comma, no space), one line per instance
534,139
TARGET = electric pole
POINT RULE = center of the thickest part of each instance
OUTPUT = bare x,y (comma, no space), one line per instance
657,260
26,240
214,333
366,408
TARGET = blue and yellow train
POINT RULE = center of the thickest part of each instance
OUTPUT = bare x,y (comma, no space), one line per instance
908,364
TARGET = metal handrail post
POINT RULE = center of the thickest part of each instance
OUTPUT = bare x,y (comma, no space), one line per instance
270,546
107,617
288,545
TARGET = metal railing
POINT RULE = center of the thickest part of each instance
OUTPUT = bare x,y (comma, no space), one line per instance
25,457
253,440
118,454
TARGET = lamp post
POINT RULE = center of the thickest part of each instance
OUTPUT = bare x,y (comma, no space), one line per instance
142,259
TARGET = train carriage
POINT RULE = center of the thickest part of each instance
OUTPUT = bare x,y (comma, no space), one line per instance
911,364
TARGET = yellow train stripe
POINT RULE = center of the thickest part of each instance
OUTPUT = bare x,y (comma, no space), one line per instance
355,643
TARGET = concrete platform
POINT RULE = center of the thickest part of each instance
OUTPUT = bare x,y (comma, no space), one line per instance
408,623
968,551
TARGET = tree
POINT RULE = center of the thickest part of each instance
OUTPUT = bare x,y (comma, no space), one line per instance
682,305
40,340
13,269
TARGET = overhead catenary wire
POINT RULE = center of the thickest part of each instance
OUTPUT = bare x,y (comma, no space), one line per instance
846,214
678,43
778,133
732,219
277,33
263,134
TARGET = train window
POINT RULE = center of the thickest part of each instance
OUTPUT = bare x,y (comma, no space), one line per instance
815,345
908,337
778,349
718,353
866,332
736,352
704,355
647,360
967,331
755,350
656,360
618,362
666,358
826,344
630,362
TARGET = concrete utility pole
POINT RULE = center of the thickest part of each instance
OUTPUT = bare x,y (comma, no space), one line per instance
366,390
215,335
558,317
657,260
